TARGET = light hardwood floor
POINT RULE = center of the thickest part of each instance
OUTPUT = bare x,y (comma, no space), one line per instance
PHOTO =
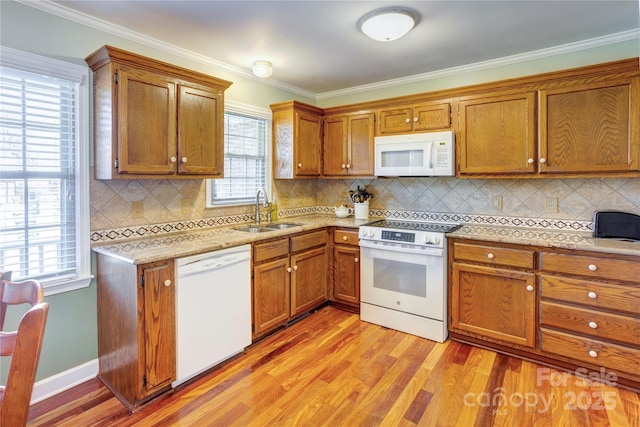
331,369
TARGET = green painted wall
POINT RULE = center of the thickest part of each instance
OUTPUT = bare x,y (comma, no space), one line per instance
71,336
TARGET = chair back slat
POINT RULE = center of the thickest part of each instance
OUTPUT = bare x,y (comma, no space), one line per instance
25,292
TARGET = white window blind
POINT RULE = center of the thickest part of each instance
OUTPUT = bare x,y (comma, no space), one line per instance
41,230
246,142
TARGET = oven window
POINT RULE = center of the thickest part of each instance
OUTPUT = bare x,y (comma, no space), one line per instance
391,159
398,276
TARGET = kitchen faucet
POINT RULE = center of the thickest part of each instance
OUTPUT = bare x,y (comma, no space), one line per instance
265,203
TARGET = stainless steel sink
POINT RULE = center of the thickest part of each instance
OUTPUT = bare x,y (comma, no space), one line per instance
281,225
254,229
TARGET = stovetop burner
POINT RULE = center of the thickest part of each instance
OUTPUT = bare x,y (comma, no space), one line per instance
414,225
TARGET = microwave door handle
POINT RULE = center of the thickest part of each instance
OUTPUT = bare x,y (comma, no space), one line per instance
430,151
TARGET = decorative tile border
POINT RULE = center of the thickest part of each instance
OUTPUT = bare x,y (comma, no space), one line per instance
126,233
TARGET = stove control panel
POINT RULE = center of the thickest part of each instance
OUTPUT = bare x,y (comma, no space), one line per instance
398,236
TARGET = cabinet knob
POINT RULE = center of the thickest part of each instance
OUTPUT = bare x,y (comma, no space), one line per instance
592,295
490,255
295,267
593,353
530,161
530,288
348,166
415,120
593,325
299,165
407,120
173,159
543,160
356,260
167,282
593,267
345,238
344,166
288,269
184,160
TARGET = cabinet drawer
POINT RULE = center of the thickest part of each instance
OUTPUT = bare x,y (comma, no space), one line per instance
597,324
596,352
309,240
494,255
593,294
592,266
346,237
268,250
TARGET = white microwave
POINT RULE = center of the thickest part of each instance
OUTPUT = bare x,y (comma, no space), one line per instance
416,154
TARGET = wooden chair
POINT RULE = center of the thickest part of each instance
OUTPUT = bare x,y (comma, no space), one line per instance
25,292
5,275
24,346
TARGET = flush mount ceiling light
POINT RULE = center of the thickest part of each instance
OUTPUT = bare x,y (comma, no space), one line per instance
387,24
262,69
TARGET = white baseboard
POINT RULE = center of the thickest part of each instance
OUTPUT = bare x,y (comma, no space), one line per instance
58,383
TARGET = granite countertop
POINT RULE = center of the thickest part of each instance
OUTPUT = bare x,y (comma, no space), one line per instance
151,249
566,239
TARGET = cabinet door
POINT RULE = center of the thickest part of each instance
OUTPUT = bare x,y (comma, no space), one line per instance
497,134
307,144
158,326
335,146
146,124
494,303
200,138
590,127
395,120
346,274
308,280
270,295
429,117
360,144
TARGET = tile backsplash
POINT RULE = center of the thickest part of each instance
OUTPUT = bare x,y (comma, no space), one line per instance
127,203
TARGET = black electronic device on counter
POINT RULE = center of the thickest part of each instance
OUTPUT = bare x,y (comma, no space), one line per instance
615,224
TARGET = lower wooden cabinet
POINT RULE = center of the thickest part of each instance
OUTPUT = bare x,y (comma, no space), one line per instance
346,268
136,328
289,279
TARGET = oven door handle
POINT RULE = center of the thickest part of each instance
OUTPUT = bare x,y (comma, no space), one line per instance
394,247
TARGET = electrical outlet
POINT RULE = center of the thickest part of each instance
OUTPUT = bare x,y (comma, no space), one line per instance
186,205
137,209
496,203
551,205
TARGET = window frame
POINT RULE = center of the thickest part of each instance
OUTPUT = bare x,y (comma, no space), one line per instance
25,61
257,113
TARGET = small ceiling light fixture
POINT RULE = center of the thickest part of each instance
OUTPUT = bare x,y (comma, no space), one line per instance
262,69
387,24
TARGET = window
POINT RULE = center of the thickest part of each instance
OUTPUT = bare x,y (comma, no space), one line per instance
246,147
44,164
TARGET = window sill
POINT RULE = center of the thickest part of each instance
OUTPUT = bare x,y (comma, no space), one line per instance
61,286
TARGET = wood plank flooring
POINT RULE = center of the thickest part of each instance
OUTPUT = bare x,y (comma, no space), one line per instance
331,369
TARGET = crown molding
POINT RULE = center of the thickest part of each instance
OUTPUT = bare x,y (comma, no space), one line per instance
110,28
485,65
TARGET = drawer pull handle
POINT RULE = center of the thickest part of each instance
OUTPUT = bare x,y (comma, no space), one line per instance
356,260
593,325
167,282
593,267
345,238
530,288
593,353
490,255
592,295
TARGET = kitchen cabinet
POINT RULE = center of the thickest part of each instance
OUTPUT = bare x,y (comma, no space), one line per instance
422,117
590,310
289,279
590,127
497,134
155,120
493,293
136,328
297,145
346,268
348,144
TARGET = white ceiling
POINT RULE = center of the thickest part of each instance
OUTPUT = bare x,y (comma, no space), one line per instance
316,47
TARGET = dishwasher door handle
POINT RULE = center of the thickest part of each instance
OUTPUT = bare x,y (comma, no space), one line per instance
211,264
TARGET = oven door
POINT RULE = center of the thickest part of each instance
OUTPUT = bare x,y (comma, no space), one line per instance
403,278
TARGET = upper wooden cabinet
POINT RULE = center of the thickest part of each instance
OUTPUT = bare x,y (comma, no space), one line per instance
497,134
155,120
590,127
297,146
414,118
348,144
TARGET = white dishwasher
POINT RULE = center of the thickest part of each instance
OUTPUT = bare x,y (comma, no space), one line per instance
213,309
